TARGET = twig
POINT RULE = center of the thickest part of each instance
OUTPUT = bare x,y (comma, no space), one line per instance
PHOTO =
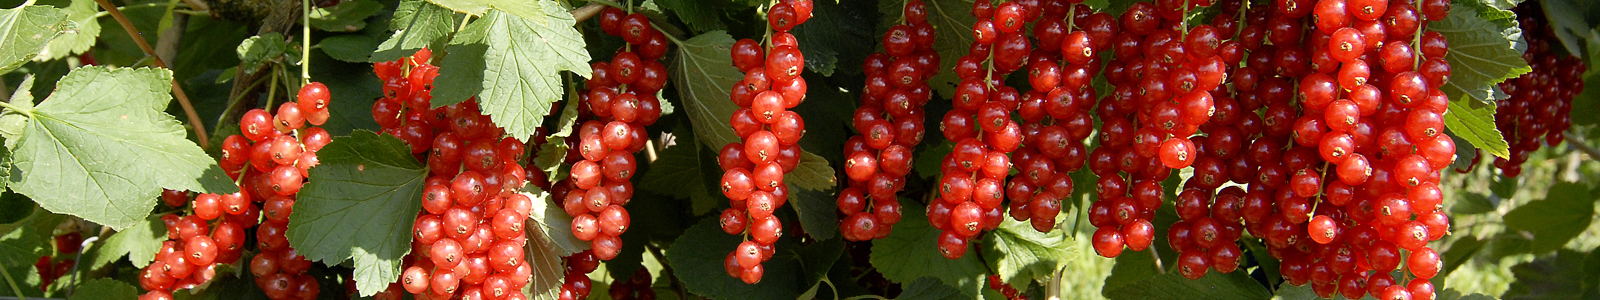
198,5
1577,142
1157,258
587,11
177,91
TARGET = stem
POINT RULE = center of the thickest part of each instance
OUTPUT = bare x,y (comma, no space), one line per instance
1416,41
1157,258
24,112
9,281
272,90
666,268
305,41
177,91
1576,141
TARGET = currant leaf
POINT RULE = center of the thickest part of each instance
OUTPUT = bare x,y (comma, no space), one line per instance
697,255
1235,285
1020,253
911,251
23,242
1563,214
416,24
703,71
513,65
25,30
139,243
360,203
104,288
1481,55
536,11
346,16
84,32
103,156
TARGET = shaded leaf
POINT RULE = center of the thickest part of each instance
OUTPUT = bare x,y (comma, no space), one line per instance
352,88
1571,21
360,203
104,157
696,258
554,224
838,36
25,30
911,251
104,288
1469,203
1460,252
1235,285
547,245
929,288
678,172
1563,214
816,210
1552,277
346,16
349,47
23,242
416,24
700,16
512,65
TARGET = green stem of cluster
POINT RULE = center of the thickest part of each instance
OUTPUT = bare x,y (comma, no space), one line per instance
305,42
9,280
1416,41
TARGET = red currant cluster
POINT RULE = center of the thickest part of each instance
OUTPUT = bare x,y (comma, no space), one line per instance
754,169
890,122
620,102
1056,111
576,283
637,287
270,160
1540,106
468,240
49,269
972,182
998,285
1164,75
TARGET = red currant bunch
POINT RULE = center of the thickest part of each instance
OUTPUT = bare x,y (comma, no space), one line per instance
753,169
576,283
1011,293
70,242
619,102
890,122
468,240
1539,109
1055,111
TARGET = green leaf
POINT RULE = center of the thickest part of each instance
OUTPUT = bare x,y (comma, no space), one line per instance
813,173
14,207
554,224
699,15
23,242
929,288
139,243
537,11
911,251
346,16
816,210
547,245
1563,214
1019,253
1559,276
1471,203
704,74
952,21
360,203
104,288
696,258
416,24
929,168
678,171
1235,285
256,51
349,47
1460,252
80,33
25,30
104,157
1481,55
513,66
353,88
1571,21
1473,122
840,35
